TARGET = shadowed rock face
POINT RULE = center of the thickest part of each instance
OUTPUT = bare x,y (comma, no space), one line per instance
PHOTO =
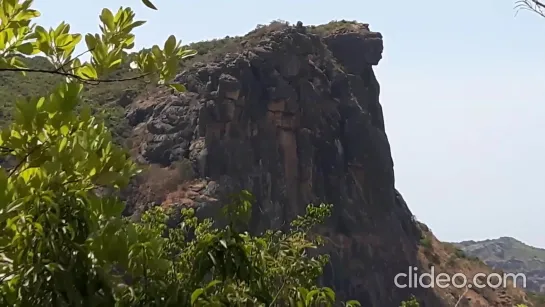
295,118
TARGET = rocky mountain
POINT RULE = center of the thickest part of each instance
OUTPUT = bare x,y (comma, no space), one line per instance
511,255
293,114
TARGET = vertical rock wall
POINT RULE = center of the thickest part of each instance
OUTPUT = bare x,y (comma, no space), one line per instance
295,118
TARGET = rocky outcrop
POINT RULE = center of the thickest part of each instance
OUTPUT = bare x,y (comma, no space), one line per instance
295,118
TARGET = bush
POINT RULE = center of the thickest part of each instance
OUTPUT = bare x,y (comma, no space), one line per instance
426,242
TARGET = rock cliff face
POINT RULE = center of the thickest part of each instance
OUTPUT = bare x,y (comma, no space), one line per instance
295,118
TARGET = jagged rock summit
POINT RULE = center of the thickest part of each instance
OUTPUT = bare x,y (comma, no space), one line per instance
291,113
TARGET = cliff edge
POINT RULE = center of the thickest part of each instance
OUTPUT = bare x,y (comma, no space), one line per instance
292,113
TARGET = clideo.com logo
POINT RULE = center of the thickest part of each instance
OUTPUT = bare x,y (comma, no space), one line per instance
412,279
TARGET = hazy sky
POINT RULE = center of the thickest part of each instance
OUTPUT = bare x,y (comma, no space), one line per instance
462,86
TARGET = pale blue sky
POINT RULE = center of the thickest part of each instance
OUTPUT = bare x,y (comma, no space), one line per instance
462,82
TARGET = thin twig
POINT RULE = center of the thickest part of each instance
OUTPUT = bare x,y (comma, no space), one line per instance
538,3
66,74
461,296
23,160
73,59
536,6
277,294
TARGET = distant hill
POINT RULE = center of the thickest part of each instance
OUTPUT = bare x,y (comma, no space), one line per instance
512,256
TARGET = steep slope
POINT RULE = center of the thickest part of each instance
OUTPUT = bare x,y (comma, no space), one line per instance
293,115
511,255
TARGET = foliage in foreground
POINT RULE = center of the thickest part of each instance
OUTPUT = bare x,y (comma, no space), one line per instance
63,243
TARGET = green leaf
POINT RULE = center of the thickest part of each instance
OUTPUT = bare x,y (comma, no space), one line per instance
195,295
170,45
330,294
137,23
91,41
42,39
212,284
115,64
40,103
149,4
178,87
107,18
87,72
9,6
62,28
64,129
27,174
62,144
27,49
187,53
70,95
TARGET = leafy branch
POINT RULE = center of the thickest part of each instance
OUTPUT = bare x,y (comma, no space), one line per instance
71,75
108,49
24,159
